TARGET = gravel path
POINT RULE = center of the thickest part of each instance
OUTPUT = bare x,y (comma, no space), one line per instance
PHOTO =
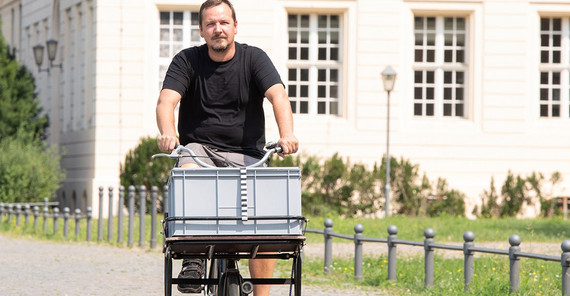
44,268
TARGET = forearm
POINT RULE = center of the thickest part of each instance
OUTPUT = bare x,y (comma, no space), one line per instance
165,106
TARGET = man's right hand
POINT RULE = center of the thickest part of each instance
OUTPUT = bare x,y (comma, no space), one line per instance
167,143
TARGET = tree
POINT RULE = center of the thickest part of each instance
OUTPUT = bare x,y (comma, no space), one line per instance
29,171
19,105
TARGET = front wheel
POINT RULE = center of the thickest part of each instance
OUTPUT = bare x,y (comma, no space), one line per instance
230,283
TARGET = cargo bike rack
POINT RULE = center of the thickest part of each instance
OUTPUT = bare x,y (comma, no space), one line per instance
222,238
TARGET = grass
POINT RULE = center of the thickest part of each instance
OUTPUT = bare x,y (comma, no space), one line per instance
491,276
451,229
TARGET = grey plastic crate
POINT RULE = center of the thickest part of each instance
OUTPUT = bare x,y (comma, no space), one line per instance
217,192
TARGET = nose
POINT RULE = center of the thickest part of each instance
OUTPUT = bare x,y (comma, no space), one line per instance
217,27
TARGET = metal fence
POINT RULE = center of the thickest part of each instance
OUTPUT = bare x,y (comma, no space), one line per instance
469,249
50,211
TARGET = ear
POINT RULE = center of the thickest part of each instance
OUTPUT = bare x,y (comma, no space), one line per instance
235,27
201,33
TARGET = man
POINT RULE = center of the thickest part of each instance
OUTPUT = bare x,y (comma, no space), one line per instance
221,86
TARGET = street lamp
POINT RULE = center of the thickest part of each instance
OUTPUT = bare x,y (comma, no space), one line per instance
51,51
388,78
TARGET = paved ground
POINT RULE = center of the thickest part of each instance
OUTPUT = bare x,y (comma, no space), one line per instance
43,268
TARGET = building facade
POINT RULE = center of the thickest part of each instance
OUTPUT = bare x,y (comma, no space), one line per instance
482,87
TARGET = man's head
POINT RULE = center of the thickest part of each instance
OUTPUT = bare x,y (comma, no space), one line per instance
218,24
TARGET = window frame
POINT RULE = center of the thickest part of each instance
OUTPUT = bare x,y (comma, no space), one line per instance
550,68
440,68
313,67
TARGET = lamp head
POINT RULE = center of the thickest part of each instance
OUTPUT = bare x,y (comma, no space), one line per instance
388,78
51,49
39,54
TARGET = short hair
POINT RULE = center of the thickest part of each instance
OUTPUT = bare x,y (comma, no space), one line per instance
212,3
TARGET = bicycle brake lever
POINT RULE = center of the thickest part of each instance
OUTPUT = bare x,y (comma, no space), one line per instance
176,153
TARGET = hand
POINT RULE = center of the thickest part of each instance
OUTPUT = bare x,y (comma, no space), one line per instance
167,143
289,144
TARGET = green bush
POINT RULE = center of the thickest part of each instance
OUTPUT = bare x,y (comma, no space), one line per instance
28,171
140,169
515,191
333,186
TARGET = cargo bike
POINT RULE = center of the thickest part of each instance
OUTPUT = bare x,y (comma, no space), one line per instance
224,214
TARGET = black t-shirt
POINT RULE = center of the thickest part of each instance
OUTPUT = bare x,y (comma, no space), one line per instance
222,102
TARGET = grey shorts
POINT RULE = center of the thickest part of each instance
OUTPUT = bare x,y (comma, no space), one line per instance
217,158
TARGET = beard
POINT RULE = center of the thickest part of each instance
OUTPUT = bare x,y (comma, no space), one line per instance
220,45
220,48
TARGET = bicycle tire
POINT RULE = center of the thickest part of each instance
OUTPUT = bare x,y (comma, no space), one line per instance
167,273
232,285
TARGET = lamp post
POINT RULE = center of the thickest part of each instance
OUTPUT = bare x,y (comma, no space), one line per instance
388,78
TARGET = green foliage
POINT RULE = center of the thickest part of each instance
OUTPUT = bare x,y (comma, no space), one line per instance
140,169
28,171
491,206
19,106
515,191
451,201
339,187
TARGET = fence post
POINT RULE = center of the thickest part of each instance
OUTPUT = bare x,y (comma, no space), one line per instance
142,208
328,245
515,262
1,211
358,236
18,212
45,214
65,221
131,214
120,213
392,235
565,270
55,219
77,220
89,217
10,212
468,264
110,218
36,214
153,198
26,214
429,261
100,221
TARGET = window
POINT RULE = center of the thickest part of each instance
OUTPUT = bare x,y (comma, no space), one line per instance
440,67
314,63
554,67
178,30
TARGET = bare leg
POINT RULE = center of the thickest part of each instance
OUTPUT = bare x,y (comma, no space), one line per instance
261,268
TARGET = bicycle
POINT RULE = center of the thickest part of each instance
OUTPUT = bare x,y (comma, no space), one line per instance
228,233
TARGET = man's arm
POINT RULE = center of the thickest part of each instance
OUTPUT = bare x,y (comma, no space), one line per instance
165,106
284,118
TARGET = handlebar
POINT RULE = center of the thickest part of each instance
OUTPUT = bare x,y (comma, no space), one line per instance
177,153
